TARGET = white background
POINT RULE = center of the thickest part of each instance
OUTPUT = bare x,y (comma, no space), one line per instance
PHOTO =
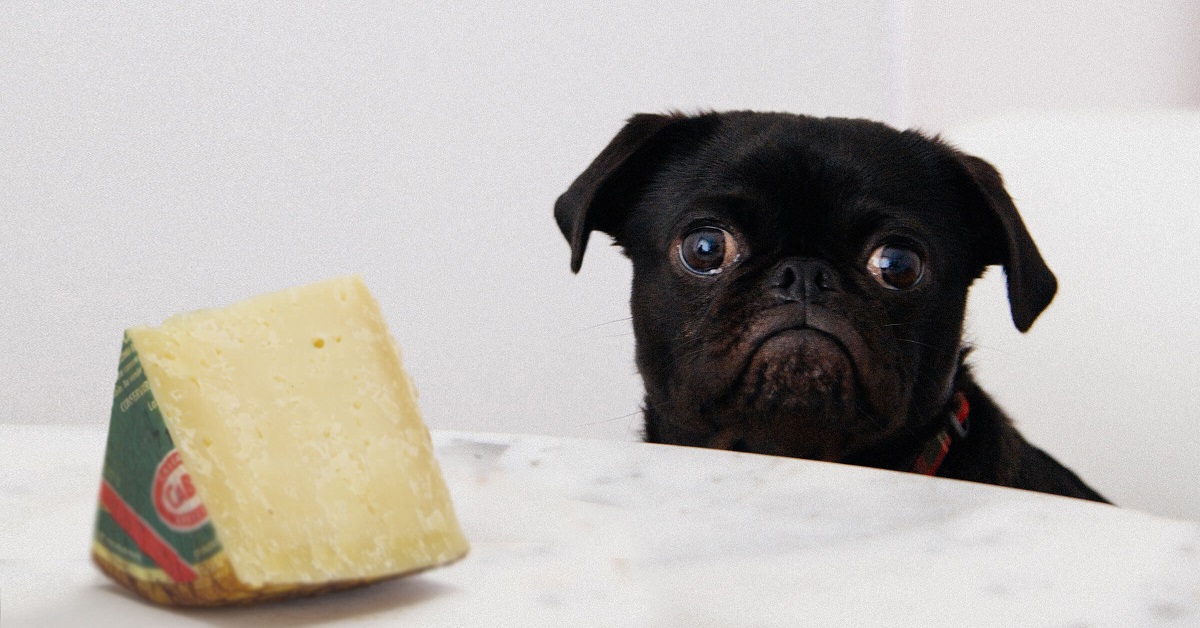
161,157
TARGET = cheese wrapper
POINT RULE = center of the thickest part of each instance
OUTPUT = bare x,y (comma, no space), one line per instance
266,450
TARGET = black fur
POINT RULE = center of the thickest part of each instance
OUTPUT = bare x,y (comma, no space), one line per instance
794,348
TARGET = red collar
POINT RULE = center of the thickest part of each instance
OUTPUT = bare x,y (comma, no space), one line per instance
935,450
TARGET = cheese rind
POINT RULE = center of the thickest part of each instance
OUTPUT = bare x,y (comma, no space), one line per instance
293,458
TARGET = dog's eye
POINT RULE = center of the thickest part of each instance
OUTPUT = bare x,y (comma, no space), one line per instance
896,267
707,250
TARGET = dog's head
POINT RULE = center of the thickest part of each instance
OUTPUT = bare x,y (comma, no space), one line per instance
799,284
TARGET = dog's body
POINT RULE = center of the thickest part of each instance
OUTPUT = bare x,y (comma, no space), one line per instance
800,285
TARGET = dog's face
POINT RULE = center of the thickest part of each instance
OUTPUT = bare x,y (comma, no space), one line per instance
799,284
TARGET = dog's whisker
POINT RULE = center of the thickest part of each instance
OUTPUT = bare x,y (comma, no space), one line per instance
575,333
974,345
616,418
922,344
612,322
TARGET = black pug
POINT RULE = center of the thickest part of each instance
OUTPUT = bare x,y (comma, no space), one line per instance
799,287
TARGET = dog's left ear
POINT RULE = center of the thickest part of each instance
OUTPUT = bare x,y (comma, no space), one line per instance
1031,285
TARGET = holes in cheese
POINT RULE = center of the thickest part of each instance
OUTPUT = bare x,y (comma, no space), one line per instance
269,449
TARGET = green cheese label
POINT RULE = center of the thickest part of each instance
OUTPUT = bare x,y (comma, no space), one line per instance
150,515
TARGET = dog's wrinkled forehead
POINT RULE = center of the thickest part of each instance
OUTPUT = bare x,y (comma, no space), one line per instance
809,175
806,178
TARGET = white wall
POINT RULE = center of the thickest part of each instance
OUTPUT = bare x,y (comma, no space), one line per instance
160,158
968,60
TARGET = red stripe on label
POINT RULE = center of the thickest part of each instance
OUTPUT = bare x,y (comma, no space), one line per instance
146,538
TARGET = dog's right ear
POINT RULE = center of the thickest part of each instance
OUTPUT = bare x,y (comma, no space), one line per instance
600,198
1031,285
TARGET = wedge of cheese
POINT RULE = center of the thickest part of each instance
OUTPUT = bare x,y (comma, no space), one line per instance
270,449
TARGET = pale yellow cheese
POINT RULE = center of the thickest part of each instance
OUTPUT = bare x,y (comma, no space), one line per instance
301,434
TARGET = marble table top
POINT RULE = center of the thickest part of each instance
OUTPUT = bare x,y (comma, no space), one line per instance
579,533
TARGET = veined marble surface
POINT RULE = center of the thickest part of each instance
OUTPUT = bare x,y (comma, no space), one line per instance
580,533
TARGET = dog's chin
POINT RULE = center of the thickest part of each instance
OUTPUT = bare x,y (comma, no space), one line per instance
797,396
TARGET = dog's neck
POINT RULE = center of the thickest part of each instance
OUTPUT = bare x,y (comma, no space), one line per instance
975,456
925,448
957,426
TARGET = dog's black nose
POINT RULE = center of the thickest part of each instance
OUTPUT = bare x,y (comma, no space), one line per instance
803,279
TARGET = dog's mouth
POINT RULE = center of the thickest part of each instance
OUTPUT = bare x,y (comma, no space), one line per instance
807,380
799,369
806,353
793,340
